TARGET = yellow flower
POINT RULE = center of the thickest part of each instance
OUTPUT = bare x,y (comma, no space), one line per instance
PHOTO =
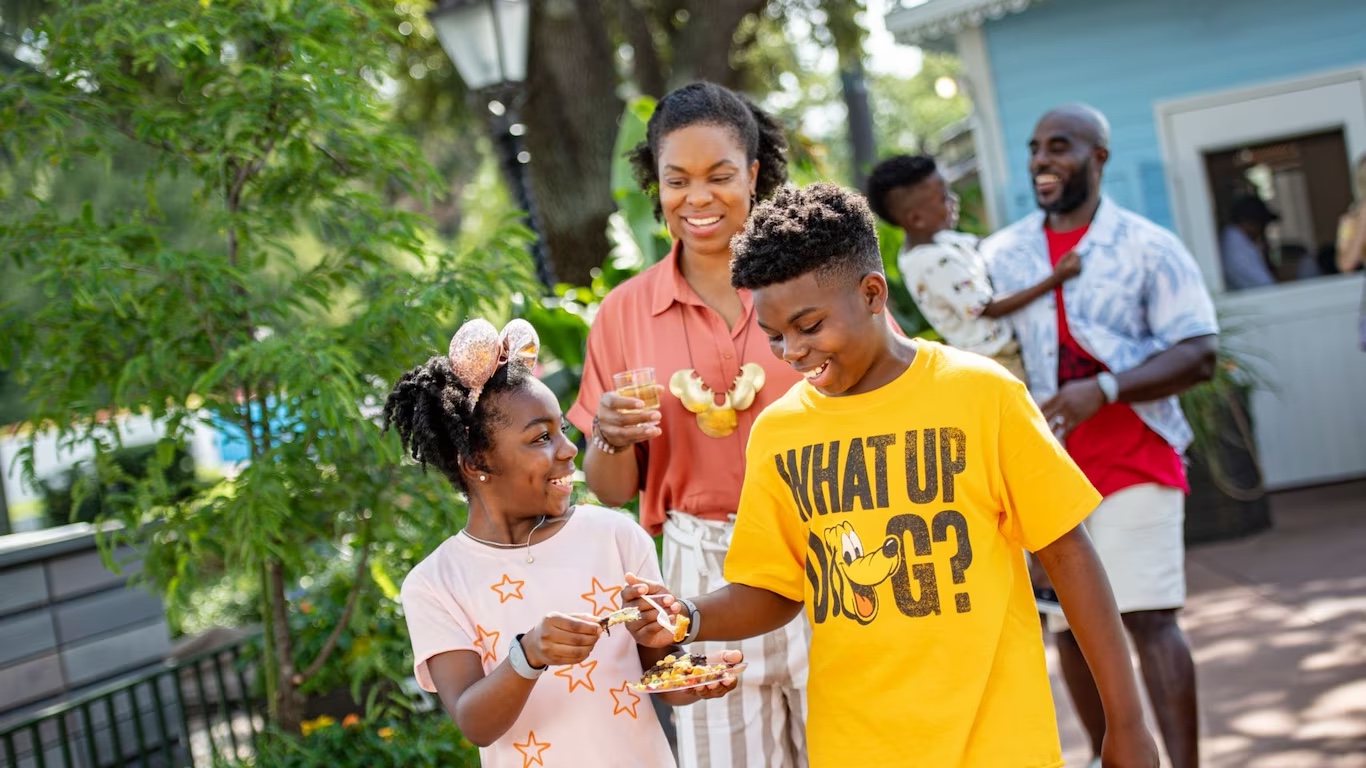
351,720
385,733
322,721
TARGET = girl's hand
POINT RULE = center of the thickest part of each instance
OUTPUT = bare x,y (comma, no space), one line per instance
647,631
621,422
712,690
560,638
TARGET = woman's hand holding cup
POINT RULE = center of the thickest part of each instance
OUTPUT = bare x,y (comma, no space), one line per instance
630,413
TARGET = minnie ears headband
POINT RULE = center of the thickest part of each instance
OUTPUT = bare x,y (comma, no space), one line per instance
478,349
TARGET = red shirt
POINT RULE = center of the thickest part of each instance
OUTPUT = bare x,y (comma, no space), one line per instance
1114,448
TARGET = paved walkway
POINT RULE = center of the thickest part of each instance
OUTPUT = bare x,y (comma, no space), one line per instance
1278,626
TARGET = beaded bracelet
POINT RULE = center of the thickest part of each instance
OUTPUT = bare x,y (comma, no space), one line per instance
599,441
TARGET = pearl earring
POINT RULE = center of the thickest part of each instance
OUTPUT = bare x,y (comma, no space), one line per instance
482,478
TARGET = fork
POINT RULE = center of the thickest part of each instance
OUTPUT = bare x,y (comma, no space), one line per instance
660,613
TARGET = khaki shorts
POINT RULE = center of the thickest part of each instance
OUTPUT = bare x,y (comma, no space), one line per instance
1009,356
1138,534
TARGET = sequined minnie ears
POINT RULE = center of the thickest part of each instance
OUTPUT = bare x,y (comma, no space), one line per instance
477,349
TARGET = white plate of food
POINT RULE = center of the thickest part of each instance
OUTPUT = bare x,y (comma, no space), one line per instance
682,672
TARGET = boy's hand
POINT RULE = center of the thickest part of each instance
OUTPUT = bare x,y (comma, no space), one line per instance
1131,747
647,631
561,639
712,690
1069,266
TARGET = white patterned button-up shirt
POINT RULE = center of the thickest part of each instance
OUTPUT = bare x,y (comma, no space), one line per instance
947,278
1139,293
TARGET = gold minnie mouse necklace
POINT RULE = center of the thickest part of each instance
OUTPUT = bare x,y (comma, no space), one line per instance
687,385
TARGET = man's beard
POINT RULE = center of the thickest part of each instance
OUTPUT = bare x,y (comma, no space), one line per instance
1075,192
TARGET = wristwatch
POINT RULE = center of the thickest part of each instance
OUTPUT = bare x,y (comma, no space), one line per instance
694,619
1109,386
517,658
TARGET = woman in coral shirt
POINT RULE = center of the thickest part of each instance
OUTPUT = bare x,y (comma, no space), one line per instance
710,154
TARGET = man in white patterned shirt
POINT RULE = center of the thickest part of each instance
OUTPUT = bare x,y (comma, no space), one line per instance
1107,355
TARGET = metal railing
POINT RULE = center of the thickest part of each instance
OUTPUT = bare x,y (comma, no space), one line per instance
164,718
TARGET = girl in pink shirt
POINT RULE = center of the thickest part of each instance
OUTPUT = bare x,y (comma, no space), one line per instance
504,616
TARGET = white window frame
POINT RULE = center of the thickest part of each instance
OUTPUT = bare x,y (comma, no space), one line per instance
1230,118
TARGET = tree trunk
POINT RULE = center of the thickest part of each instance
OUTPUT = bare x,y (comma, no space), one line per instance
289,706
703,47
571,112
4,506
861,140
647,67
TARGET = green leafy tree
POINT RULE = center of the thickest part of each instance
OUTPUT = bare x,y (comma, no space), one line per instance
907,111
286,317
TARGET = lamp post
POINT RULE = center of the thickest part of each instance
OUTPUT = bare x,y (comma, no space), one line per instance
487,41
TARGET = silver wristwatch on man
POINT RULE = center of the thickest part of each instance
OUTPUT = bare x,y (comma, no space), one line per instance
1109,386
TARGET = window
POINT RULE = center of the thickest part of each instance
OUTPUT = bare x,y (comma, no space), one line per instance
1277,205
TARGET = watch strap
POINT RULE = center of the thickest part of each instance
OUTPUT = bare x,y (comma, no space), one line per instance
694,619
520,665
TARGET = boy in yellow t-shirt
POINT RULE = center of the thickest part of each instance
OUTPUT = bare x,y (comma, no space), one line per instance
890,493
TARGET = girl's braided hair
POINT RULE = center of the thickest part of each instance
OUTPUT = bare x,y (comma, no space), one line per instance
435,417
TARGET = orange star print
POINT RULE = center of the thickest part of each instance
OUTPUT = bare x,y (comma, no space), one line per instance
624,700
604,599
578,674
529,747
488,641
508,589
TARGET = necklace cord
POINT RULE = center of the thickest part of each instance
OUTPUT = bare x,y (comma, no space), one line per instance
744,341
499,545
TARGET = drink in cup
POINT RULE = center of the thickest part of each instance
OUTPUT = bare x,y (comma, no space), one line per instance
638,383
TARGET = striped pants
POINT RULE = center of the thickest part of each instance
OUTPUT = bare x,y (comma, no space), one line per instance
762,724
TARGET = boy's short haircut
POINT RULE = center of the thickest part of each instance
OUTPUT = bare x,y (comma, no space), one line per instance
822,228
896,171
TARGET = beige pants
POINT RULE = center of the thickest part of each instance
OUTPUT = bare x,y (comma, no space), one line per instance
761,724
1009,356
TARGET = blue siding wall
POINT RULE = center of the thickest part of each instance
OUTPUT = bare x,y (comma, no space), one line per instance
1122,56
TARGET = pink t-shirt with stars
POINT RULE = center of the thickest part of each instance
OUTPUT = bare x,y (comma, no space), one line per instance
466,596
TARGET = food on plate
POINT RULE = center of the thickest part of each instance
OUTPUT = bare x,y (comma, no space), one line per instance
682,671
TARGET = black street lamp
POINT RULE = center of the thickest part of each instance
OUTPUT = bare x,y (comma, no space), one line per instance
487,41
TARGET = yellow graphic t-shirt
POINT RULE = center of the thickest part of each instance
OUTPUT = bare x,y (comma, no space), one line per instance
898,517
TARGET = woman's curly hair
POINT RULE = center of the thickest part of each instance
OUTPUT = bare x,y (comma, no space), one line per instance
822,228
704,103
434,417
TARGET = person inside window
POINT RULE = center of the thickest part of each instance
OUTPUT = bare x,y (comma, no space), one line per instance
1242,244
